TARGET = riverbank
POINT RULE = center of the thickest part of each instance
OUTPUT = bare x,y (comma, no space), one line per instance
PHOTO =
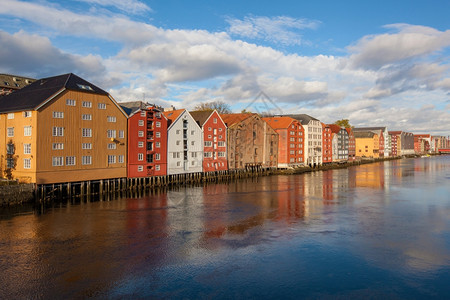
17,194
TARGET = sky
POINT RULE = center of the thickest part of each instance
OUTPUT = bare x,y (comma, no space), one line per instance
376,63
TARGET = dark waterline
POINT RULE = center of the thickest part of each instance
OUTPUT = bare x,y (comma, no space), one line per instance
373,231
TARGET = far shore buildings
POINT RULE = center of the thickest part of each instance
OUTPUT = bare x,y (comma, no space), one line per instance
251,141
383,135
214,140
327,144
184,143
62,129
290,141
351,144
367,144
313,138
147,139
340,143
402,143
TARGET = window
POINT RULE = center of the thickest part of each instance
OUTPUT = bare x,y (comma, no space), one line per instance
27,114
121,159
58,146
58,115
221,144
10,149
10,163
141,123
220,129
70,160
208,154
221,154
158,124
111,159
142,113
158,134
140,144
140,133
111,146
85,87
101,105
57,161
111,119
86,146
71,102
178,164
26,148
121,134
27,131
140,168
157,168
192,143
86,132
58,131
86,160
10,116
157,156
140,156
10,131
158,145
87,104
178,131
178,142
27,163
215,120
208,144
86,117
111,133
209,136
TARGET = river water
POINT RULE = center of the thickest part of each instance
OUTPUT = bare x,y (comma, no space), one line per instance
373,231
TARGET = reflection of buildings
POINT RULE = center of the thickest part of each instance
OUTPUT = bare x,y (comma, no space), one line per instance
370,175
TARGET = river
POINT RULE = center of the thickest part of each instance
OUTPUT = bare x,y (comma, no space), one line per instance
380,230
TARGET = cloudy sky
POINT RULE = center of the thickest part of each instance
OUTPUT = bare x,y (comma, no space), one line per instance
377,63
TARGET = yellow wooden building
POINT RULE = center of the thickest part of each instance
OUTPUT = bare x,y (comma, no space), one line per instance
367,144
62,129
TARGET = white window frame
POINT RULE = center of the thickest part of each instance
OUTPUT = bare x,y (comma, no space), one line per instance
58,115
111,119
71,161
86,132
121,159
58,146
111,133
112,146
86,160
86,146
86,104
121,134
10,132
71,102
26,148
10,116
57,161
57,131
140,144
86,117
27,131
140,156
141,123
27,163
101,105
111,159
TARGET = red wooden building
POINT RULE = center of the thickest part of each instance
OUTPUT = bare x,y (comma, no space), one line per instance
290,141
327,144
147,140
214,140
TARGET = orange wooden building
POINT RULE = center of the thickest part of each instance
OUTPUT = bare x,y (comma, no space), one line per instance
62,129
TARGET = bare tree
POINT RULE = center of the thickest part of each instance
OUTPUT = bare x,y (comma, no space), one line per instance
220,106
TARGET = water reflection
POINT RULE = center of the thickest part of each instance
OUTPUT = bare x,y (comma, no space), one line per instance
385,222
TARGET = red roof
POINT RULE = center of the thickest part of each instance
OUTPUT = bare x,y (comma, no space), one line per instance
279,122
335,128
173,114
231,119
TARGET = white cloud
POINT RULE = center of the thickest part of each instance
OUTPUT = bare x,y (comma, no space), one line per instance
281,29
376,51
129,6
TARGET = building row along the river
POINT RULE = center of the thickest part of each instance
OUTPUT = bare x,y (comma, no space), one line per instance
65,129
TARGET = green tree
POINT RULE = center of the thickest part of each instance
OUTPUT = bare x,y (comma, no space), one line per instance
344,123
220,106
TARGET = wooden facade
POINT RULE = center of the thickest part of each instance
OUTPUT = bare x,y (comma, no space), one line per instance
147,140
290,141
184,143
214,140
351,144
251,141
75,131
367,144
327,144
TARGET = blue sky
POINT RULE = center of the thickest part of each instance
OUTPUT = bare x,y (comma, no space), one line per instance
377,63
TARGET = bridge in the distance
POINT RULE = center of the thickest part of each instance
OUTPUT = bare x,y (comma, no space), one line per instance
444,151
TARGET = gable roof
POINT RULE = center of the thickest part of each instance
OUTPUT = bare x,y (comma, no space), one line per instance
369,128
172,115
132,106
231,119
41,91
363,134
303,118
14,82
281,122
201,116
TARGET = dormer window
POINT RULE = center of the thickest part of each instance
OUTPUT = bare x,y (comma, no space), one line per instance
85,87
